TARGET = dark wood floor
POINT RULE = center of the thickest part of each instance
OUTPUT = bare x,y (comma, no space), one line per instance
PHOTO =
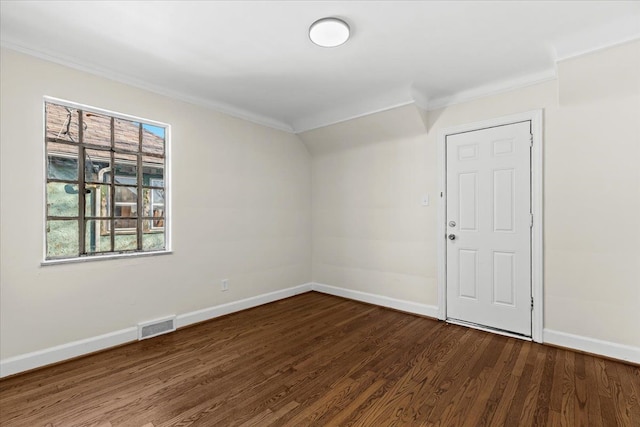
320,360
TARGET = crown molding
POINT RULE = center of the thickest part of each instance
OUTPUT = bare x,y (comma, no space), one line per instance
415,96
492,89
419,98
577,46
621,31
343,113
220,107
563,55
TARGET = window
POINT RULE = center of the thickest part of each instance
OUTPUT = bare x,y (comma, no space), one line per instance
106,182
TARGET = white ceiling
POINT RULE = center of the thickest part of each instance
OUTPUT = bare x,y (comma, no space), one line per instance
253,59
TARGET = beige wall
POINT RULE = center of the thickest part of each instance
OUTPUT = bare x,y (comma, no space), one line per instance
370,231
253,205
371,234
241,210
593,198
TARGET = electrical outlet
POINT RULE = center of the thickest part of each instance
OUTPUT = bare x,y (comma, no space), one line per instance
224,285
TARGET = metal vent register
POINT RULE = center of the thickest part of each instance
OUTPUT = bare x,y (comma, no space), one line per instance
156,327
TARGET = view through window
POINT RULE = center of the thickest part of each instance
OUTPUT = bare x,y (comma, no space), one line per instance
106,183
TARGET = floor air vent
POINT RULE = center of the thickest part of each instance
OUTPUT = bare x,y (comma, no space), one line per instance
156,327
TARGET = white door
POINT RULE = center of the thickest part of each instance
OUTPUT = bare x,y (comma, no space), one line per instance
488,214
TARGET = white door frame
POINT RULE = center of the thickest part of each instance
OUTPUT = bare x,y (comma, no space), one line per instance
537,249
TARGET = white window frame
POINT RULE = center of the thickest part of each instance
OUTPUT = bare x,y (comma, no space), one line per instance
167,185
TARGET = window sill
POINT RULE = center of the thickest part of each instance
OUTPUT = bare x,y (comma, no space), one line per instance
92,258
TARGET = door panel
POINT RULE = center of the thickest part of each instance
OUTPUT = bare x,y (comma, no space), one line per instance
488,212
468,273
503,280
503,200
468,195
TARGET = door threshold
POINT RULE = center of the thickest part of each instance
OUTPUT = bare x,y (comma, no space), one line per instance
488,329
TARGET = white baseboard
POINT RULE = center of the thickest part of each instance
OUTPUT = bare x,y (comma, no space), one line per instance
591,345
48,356
36,359
562,339
397,304
243,304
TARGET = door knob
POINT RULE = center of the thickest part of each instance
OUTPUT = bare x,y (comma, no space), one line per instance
452,237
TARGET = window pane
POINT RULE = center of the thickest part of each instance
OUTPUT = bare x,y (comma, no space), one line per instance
153,139
104,195
158,222
96,129
153,237
97,236
157,196
97,166
126,194
62,168
126,225
62,199
128,210
152,202
62,238
126,167
62,161
126,206
152,171
97,200
126,242
126,135
62,122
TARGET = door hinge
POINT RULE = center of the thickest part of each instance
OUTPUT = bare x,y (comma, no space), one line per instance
530,220
530,140
531,303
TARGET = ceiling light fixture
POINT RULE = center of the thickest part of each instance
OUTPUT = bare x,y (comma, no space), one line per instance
329,32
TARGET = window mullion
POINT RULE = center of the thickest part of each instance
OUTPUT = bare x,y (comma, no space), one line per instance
81,186
112,186
140,191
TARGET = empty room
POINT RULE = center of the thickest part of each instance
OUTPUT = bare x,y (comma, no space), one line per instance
328,213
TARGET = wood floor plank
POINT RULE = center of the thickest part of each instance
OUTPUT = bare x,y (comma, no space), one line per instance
509,389
526,381
357,402
503,379
476,411
320,360
529,407
568,390
457,381
580,409
555,399
622,401
594,413
630,392
541,414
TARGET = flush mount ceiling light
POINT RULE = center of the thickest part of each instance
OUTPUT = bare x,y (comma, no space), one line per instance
329,32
